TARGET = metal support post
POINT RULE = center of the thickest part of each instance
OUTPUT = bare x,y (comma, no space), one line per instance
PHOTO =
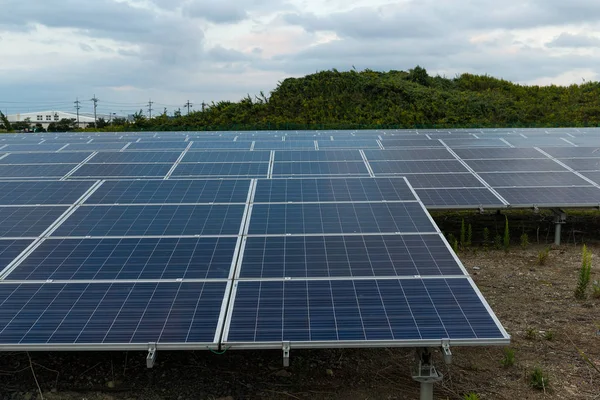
151,357
560,217
425,373
286,354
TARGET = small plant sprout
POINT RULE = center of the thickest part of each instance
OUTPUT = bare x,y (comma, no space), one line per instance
531,334
469,235
524,241
508,360
549,335
585,273
539,380
596,290
471,396
486,238
542,256
506,238
463,232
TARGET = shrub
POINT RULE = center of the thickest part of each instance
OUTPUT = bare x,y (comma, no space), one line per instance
539,380
498,242
453,242
508,360
585,273
542,257
524,241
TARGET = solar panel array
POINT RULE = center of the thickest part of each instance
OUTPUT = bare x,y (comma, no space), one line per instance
197,240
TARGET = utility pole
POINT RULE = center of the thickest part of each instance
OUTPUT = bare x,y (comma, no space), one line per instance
150,102
203,105
188,105
77,107
95,100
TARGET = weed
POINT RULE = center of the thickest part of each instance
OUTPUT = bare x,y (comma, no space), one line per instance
471,396
531,334
549,335
524,241
542,256
453,242
508,360
463,232
585,273
596,290
469,235
486,238
539,380
498,242
506,238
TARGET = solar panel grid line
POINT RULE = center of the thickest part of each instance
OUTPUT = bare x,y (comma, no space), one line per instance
4,155
367,165
64,147
125,147
568,168
71,172
507,142
178,161
3,146
569,142
475,174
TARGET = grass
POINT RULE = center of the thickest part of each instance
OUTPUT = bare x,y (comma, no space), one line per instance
585,273
549,335
531,334
471,396
524,241
596,290
542,257
539,379
508,359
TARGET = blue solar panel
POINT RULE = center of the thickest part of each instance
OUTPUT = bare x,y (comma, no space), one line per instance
152,220
408,155
40,171
359,310
103,313
486,154
573,152
458,198
551,196
408,167
45,158
514,165
9,249
227,156
45,192
221,170
95,146
176,191
136,157
285,145
130,259
443,180
338,218
33,147
122,170
347,256
332,190
407,143
27,221
348,144
158,146
319,168
322,155
583,164
531,179
221,145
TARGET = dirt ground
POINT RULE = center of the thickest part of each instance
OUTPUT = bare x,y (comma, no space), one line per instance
549,329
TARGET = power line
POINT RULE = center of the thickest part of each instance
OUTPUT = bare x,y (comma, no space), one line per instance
150,102
188,105
77,107
95,100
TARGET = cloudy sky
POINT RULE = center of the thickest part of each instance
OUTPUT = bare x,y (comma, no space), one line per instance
128,51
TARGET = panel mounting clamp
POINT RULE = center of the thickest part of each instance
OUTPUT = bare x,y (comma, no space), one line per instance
286,354
151,357
446,351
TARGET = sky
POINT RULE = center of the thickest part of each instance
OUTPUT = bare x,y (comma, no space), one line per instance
126,52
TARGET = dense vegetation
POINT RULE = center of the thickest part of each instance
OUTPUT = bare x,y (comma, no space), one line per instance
370,99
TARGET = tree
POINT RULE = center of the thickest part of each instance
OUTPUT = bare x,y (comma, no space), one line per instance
5,123
418,75
101,123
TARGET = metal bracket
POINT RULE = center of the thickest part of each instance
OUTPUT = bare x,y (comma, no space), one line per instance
536,210
151,357
481,211
425,373
446,352
286,354
560,217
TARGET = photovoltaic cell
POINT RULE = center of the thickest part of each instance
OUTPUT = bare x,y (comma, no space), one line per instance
171,191
122,170
32,147
9,249
285,145
152,220
338,218
129,259
163,145
221,170
332,190
583,164
514,165
594,176
319,168
408,167
406,143
458,198
487,154
347,256
573,152
531,179
551,196
348,144
221,145
40,171
458,180
108,313
94,146
321,155
359,310
136,157
226,156
44,158
44,192
408,155
27,221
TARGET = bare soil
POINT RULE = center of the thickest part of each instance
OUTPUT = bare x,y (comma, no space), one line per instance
549,328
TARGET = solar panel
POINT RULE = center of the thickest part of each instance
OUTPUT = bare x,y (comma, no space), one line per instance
177,191
485,142
136,157
44,158
122,170
339,312
153,220
35,171
32,147
583,164
319,168
10,249
348,144
408,155
531,179
406,143
110,313
221,170
158,146
594,176
486,154
285,145
128,259
94,146
221,145
226,156
332,190
322,155
458,198
43,192
27,221
514,165
411,167
573,152
451,180
547,197
270,219
347,256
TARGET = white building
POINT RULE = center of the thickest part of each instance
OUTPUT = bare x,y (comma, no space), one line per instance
46,117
